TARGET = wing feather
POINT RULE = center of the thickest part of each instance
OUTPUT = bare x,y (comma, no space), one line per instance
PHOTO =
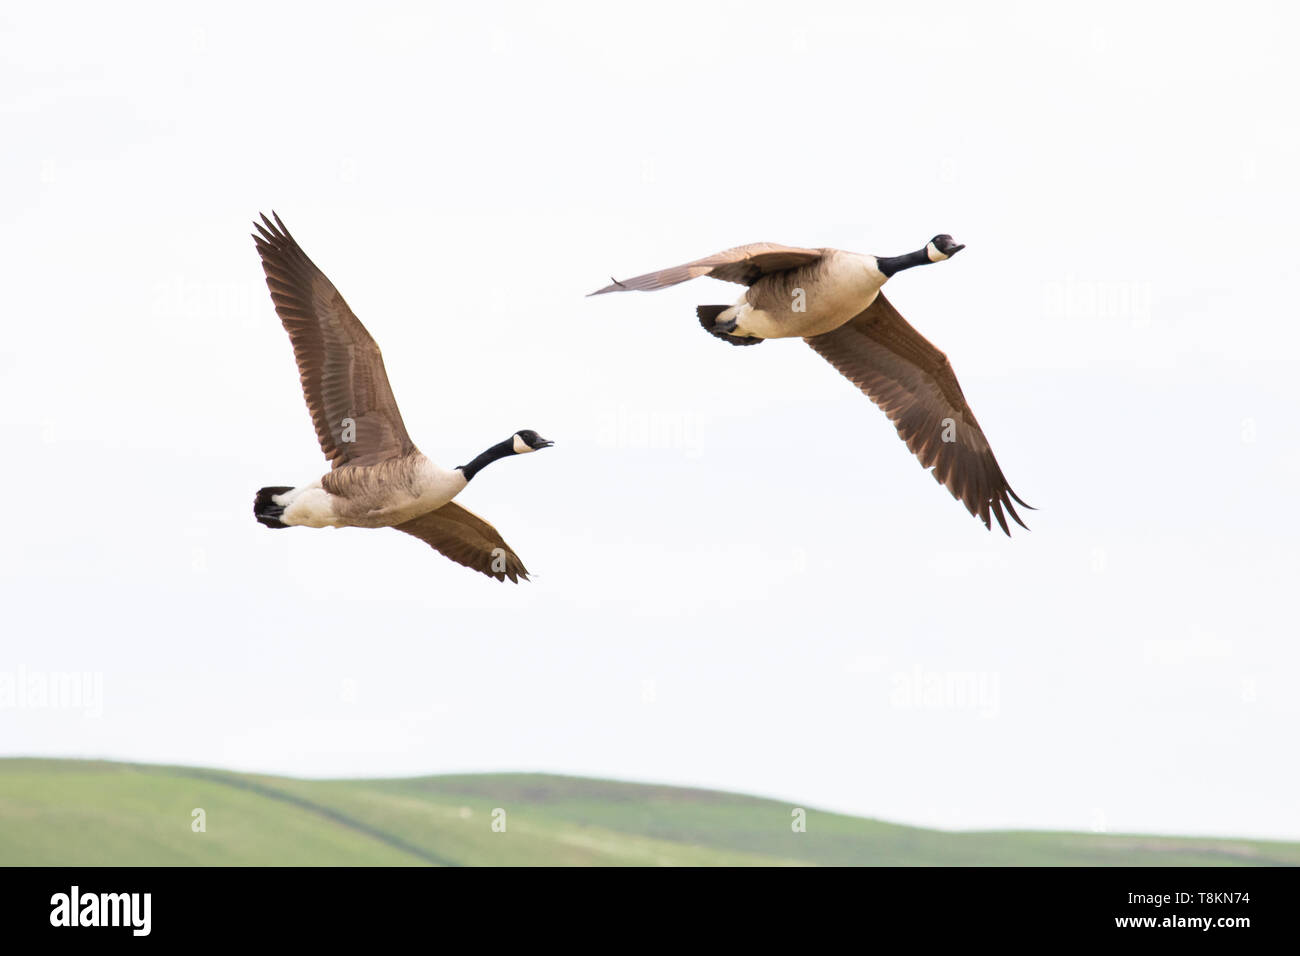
912,382
743,265
342,371
469,540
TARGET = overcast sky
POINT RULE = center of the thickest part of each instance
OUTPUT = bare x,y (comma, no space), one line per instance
742,579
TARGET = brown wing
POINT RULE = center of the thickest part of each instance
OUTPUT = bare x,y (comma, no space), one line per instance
743,264
352,406
469,540
911,380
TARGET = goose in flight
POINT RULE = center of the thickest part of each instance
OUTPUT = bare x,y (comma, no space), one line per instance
377,477
832,300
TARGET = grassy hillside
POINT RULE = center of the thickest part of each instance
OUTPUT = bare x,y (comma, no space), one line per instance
93,813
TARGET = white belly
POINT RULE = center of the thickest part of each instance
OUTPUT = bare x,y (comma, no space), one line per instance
758,323
850,284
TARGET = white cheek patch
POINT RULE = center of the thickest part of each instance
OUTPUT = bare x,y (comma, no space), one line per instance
520,446
932,251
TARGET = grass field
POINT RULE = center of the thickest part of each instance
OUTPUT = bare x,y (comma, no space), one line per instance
73,812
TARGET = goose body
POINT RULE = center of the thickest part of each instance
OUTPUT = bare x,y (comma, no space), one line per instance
376,496
378,478
832,299
808,300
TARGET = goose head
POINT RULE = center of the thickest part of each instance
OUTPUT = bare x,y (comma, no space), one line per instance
526,440
942,247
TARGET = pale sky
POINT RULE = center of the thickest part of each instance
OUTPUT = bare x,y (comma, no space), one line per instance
742,579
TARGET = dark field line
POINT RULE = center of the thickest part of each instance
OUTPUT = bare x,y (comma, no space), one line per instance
328,813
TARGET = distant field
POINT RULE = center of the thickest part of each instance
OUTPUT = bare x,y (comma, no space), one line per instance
72,812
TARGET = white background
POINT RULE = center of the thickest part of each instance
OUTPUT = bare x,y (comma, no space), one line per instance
743,579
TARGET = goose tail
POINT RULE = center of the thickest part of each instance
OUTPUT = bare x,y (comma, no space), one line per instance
265,508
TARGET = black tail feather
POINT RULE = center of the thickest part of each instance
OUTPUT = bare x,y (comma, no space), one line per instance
266,510
708,315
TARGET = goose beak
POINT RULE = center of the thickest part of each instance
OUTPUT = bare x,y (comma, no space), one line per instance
545,444
946,246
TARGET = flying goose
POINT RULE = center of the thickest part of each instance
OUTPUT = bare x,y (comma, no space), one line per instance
832,299
378,478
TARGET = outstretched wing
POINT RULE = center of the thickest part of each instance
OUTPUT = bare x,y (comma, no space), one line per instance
912,382
743,264
469,540
352,406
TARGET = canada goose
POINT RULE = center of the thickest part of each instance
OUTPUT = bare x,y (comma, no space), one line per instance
832,299
378,478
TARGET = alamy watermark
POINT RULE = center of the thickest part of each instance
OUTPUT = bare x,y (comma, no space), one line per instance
650,431
1075,299
918,689
23,689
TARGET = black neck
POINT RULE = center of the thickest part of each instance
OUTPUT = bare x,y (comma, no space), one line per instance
892,264
499,450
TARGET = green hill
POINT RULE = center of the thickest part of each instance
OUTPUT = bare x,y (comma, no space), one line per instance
73,812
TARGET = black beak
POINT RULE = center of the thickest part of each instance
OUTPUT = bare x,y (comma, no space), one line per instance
544,444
